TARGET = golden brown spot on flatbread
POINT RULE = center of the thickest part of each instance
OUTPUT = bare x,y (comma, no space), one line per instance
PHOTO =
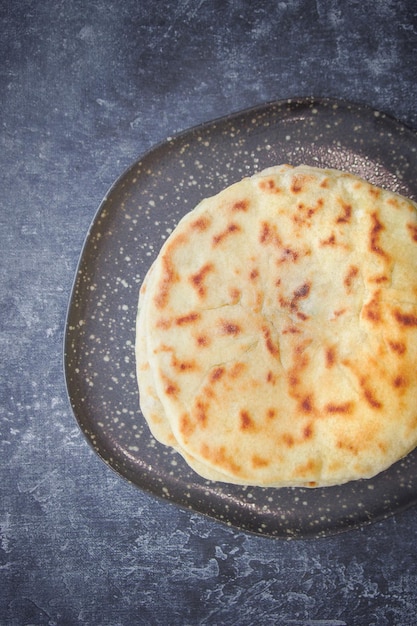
163,323
308,431
269,235
379,279
200,413
372,310
190,318
254,274
237,369
292,330
270,346
231,229
413,231
265,234
376,228
171,389
306,468
397,346
246,422
271,414
203,341
330,356
259,300
197,279
344,407
352,273
306,404
301,361
330,241
185,425
240,205
339,312
285,304
302,292
347,445
200,224
399,381
374,192
183,366
346,214
208,392
258,461
288,439
288,255
169,277
271,378
229,328
304,214
405,319
165,348
235,294
299,294
299,182
219,457
369,394
393,202
269,186
217,374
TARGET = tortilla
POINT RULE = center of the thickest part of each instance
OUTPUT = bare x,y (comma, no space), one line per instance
277,342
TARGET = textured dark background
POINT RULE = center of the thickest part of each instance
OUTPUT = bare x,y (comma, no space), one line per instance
85,88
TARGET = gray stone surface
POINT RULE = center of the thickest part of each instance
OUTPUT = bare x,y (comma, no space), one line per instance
84,89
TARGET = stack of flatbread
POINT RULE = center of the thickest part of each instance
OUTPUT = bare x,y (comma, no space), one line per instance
277,331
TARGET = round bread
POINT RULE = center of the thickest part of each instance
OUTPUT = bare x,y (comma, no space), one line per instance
277,340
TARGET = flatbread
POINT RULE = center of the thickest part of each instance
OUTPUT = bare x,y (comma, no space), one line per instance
277,341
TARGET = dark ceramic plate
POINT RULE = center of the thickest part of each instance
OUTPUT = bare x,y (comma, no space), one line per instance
133,220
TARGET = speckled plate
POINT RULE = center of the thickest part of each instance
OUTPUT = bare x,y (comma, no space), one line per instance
132,222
